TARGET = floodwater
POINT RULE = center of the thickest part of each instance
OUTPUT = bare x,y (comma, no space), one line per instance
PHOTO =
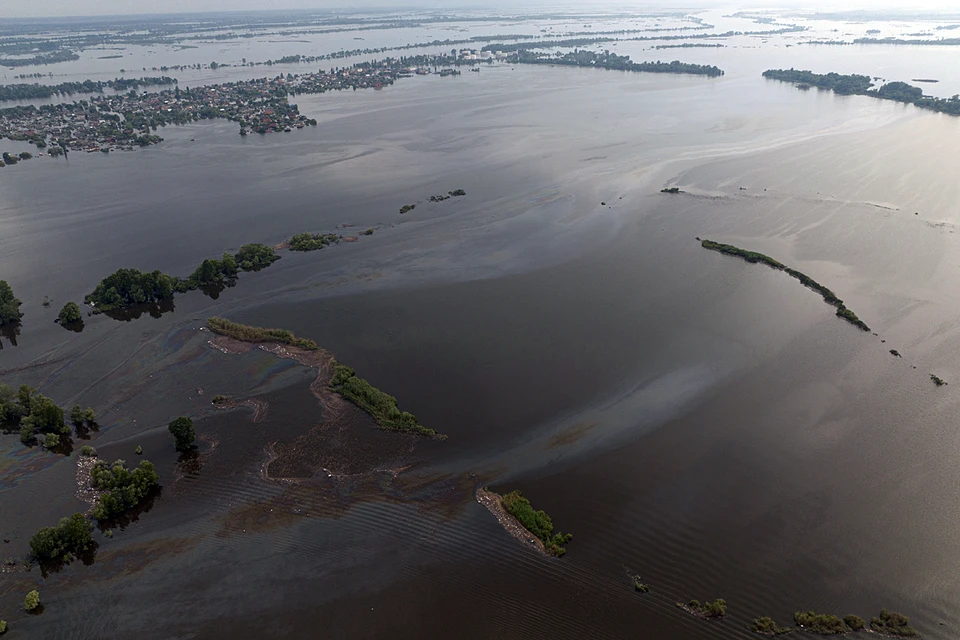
700,421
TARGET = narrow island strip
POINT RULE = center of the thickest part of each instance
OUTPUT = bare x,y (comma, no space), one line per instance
336,377
828,296
518,517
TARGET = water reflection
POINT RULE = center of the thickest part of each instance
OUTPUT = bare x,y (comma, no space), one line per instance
76,326
10,332
123,520
86,557
155,309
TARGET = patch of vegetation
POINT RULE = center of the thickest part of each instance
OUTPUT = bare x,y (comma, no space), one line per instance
828,296
457,192
639,586
854,622
246,333
407,208
127,287
895,353
3,627
382,406
937,381
671,190
220,400
88,451
70,313
768,626
612,61
138,451
9,305
211,272
893,623
536,522
715,609
71,536
83,419
32,601
124,489
824,624
439,198
183,433
368,232
35,415
253,257
312,242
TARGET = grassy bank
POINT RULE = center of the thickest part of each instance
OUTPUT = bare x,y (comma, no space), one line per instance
828,296
246,333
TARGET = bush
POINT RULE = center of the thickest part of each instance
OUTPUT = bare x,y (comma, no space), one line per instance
183,433
822,623
51,441
88,451
639,586
768,626
715,609
3,627
856,623
32,601
311,242
70,313
124,489
893,623
253,257
71,535
536,522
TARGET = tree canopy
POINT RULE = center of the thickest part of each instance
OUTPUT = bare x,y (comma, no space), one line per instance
70,313
124,489
183,433
71,535
9,305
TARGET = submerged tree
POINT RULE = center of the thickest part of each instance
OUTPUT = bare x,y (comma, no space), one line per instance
183,433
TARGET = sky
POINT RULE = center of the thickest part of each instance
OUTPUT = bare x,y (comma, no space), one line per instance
34,8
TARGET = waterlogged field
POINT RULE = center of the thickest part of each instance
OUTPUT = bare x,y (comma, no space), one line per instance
706,428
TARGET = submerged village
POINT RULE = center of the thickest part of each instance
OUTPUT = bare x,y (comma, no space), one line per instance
124,121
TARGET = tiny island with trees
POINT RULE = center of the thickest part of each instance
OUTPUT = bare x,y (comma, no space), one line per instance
828,296
614,62
888,623
854,84
39,420
9,305
536,522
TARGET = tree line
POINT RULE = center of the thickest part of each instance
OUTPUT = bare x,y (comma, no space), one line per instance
35,91
612,61
854,84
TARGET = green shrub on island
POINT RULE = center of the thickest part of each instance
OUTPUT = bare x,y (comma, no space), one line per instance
72,535
937,380
828,296
70,313
893,623
382,406
32,601
457,192
246,333
639,586
79,417
209,272
51,441
3,627
715,609
820,623
88,452
311,241
856,623
407,208
768,626
183,433
536,522
9,305
124,489
256,256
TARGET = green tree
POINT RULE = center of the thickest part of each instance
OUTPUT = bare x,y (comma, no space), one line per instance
90,417
71,535
52,441
183,433
9,305
76,415
124,489
32,601
3,627
70,313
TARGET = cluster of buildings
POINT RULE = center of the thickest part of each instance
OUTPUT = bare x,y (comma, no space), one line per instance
482,56
108,122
